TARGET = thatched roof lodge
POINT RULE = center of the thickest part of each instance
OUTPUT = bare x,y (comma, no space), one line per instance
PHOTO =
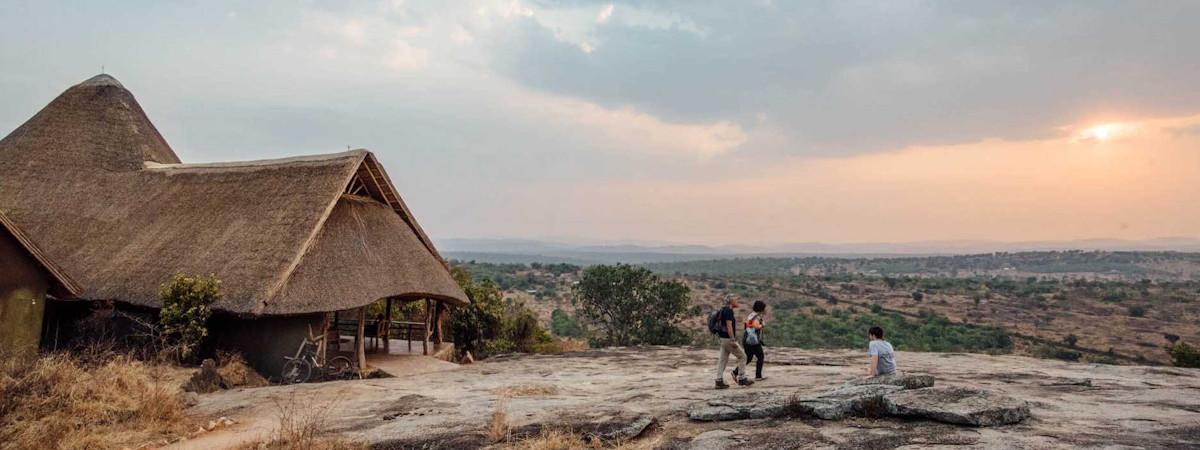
91,180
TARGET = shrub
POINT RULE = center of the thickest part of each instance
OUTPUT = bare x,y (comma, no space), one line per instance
1046,351
187,304
563,324
520,327
1184,355
1137,311
489,326
918,296
473,325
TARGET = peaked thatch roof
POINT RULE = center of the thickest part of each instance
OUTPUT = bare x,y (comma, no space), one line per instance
61,285
91,178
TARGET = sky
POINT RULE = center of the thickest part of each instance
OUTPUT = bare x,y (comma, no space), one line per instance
749,122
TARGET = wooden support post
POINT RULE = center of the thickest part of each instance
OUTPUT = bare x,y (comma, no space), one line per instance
360,353
387,336
438,315
425,335
322,347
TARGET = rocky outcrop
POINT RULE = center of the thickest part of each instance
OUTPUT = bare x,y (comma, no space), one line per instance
875,397
603,425
739,408
846,401
896,379
959,406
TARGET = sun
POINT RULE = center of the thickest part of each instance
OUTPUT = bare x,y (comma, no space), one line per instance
1106,131
1099,132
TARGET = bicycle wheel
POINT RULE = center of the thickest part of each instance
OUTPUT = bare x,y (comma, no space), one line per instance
296,371
339,368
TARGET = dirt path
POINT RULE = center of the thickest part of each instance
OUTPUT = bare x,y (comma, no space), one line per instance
1136,405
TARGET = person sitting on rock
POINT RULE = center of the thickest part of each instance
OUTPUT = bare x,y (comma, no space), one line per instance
883,358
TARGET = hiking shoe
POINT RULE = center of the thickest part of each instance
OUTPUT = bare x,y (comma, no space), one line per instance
721,384
744,382
760,378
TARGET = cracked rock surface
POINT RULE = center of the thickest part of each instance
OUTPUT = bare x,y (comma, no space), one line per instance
613,392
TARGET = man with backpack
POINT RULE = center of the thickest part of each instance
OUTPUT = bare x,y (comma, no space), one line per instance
723,324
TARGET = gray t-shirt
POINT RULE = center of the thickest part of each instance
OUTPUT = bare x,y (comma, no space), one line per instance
887,358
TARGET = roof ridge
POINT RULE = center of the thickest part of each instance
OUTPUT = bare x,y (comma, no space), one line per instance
319,157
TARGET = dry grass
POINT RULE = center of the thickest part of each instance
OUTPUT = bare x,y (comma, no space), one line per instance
236,372
526,390
498,429
101,401
302,426
566,440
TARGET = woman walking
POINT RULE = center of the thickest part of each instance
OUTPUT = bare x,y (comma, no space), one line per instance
752,339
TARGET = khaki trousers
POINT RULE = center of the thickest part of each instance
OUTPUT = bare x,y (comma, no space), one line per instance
730,347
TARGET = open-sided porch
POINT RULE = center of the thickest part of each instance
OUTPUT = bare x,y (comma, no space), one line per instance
398,336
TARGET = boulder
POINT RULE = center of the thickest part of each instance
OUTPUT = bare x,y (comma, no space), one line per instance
846,401
714,440
752,407
896,379
958,406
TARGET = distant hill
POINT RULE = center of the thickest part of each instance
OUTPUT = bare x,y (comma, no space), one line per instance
526,250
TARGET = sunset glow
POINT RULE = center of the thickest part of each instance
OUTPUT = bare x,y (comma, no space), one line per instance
1106,132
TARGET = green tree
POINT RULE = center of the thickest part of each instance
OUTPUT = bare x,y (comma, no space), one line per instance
630,305
187,305
473,325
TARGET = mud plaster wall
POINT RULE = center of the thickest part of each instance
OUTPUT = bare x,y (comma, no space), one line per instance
23,285
263,341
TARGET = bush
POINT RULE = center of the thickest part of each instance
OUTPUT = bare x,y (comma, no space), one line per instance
1137,311
630,305
187,304
473,325
918,296
489,326
1046,351
1184,355
563,324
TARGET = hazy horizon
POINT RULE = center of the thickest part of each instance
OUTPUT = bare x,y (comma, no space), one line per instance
680,122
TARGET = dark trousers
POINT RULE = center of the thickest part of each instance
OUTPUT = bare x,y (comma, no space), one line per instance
751,352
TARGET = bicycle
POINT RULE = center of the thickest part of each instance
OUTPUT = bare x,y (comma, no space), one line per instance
299,369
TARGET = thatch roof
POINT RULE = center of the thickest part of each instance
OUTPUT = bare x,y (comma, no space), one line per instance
92,180
61,285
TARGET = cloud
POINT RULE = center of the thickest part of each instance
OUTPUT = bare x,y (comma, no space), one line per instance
1048,189
605,13
852,77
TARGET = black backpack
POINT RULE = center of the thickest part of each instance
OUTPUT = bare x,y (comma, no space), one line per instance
714,322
